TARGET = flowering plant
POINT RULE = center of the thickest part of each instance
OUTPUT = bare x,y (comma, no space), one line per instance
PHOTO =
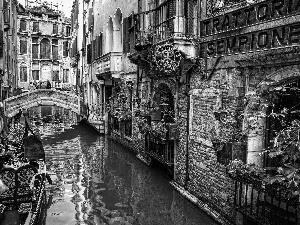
142,124
159,129
119,107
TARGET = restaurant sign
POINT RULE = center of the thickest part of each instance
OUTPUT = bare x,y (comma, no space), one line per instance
276,37
248,16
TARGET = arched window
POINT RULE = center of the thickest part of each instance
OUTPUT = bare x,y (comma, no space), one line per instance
45,49
23,73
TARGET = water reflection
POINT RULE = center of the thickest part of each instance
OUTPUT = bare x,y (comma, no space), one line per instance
97,182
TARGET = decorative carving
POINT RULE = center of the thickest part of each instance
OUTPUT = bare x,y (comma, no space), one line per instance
166,58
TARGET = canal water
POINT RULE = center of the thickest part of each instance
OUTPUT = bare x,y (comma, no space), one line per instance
97,181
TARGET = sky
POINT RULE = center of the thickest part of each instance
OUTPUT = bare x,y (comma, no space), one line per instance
66,5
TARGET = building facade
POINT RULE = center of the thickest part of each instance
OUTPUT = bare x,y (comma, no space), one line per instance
44,36
192,86
8,51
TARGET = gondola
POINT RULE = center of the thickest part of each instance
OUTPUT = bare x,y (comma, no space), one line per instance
22,174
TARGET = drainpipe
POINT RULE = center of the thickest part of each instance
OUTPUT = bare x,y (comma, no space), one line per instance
187,90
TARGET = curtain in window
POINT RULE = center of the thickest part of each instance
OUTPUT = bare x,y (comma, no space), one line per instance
45,49
23,74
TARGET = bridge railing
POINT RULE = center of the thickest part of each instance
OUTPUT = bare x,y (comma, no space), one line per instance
31,96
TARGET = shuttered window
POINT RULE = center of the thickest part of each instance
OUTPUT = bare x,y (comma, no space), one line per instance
66,49
100,45
35,48
55,49
190,16
93,50
68,31
1,43
45,49
23,47
126,43
23,74
89,54
55,28
22,25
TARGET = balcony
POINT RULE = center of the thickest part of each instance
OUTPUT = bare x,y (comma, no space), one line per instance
173,22
110,64
168,20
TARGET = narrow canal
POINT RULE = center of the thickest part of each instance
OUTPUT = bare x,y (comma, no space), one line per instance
96,181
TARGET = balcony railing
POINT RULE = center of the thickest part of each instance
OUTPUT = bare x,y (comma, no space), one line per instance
110,62
167,20
263,203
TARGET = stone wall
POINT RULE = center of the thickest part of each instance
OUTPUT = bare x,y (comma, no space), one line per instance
207,177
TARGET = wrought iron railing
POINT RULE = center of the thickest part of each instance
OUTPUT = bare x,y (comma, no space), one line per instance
264,203
161,149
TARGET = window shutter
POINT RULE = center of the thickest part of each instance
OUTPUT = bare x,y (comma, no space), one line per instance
83,36
23,46
89,55
96,47
35,51
1,43
126,36
100,45
65,48
190,17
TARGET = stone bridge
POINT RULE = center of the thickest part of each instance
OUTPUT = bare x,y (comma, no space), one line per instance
41,97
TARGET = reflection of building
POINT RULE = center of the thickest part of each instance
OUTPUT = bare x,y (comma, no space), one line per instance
43,42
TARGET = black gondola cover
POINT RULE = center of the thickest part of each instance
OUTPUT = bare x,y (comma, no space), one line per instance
33,148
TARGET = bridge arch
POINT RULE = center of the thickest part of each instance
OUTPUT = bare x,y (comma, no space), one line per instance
41,97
